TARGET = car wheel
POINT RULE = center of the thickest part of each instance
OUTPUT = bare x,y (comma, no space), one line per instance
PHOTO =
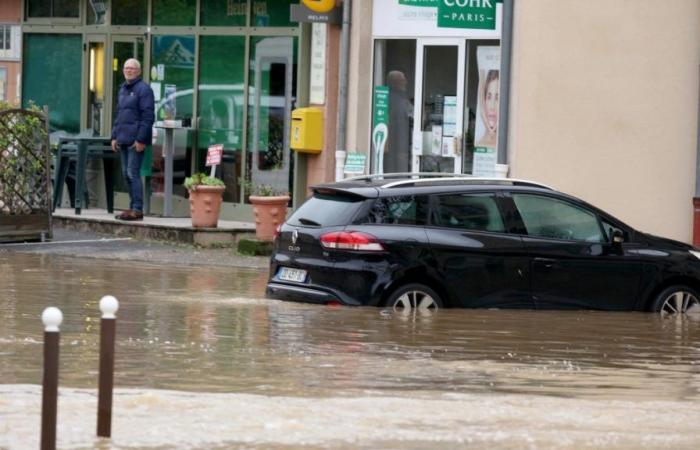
414,296
677,300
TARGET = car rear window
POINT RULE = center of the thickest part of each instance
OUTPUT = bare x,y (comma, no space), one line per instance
326,210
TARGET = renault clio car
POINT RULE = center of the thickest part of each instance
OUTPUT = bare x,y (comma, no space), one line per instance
429,241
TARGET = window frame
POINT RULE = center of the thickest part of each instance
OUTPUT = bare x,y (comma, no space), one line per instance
53,20
574,204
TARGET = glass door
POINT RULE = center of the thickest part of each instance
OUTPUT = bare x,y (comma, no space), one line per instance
271,97
97,69
439,106
123,48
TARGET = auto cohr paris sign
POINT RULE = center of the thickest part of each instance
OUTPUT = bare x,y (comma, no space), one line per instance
480,14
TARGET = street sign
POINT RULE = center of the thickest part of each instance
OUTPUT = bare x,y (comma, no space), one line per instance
214,154
355,163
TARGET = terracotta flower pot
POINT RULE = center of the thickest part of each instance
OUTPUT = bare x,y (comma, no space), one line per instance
205,204
269,213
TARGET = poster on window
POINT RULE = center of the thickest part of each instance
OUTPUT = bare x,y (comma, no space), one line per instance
488,59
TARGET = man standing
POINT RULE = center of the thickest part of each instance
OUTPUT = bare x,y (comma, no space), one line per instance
131,133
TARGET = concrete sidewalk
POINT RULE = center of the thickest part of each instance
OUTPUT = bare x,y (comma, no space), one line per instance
169,229
90,244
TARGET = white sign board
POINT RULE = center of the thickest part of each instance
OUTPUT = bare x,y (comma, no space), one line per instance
317,82
391,19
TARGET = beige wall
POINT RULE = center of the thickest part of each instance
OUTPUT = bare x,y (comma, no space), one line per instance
360,81
605,105
10,11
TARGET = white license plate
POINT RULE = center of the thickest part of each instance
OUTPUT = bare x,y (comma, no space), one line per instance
288,274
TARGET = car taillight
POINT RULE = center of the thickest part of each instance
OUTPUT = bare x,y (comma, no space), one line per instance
277,232
351,240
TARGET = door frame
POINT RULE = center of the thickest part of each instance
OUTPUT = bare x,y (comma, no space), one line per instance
417,146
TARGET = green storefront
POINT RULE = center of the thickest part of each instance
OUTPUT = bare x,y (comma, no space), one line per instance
229,67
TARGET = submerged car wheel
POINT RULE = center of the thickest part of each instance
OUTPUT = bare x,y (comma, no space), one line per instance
677,300
414,296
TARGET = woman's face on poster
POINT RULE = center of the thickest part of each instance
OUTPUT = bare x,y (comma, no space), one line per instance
491,105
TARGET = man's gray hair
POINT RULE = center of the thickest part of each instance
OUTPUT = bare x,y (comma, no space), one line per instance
134,61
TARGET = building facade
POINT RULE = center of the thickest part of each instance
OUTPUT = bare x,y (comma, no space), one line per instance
10,50
603,99
598,99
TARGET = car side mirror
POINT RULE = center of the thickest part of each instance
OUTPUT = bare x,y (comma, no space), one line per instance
617,237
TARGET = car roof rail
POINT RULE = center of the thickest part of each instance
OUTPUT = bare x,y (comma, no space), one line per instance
404,175
468,179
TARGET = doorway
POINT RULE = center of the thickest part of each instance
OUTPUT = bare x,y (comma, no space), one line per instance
439,106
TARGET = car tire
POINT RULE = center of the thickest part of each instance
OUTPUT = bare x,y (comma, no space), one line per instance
677,299
414,296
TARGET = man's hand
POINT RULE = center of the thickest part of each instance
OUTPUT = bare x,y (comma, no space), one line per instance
114,145
140,147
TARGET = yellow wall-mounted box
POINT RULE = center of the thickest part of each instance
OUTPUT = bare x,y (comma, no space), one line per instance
307,130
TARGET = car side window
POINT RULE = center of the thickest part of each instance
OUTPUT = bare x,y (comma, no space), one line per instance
399,210
469,212
609,229
557,219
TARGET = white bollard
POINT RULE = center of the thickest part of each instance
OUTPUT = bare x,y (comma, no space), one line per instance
52,318
108,305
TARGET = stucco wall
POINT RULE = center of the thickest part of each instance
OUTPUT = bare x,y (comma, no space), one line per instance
605,105
10,11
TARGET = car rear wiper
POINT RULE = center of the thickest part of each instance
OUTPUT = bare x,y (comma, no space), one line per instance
310,222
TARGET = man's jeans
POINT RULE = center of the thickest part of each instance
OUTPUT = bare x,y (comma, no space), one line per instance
131,171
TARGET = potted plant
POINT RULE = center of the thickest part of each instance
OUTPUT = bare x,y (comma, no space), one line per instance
205,199
269,209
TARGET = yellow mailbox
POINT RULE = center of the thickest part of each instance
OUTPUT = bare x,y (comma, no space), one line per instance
307,130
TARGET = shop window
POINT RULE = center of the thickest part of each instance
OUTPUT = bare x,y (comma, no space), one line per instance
220,13
272,93
172,63
59,55
271,13
53,8
221,108
174,12
394,69
129,12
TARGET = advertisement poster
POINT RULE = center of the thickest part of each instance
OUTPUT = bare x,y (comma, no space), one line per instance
380,127
449,118
488,60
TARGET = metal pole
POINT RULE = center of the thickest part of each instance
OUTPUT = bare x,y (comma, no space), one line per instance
52,318
108,305
340,150
504,102
168,152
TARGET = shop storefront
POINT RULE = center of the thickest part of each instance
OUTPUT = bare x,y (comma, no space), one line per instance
226,68
436,86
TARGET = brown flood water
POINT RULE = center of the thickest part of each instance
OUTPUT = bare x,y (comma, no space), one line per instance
204,361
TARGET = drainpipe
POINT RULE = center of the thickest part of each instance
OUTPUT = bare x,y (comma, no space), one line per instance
504,102
340,152
696,199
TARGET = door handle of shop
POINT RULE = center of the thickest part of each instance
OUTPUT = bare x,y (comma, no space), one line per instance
547,263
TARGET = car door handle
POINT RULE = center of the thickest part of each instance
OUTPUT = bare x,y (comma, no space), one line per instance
547,263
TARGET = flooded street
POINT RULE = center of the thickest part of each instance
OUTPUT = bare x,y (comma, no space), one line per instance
204,361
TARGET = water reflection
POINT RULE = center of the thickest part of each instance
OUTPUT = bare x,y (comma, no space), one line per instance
253,373
208,330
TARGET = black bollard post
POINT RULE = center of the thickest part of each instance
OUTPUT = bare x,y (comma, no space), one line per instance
108,305
52,318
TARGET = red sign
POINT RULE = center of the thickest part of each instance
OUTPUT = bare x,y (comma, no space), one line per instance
214,154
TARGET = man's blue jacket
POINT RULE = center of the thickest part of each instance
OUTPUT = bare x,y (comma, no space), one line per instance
135,114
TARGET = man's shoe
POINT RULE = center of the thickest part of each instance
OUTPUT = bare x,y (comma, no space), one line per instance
123,215
134,215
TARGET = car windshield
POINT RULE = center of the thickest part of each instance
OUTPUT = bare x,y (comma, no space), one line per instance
326,210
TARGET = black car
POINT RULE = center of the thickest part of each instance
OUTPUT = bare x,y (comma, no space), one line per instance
417,241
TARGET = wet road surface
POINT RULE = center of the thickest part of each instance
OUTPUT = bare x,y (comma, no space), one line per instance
203,361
